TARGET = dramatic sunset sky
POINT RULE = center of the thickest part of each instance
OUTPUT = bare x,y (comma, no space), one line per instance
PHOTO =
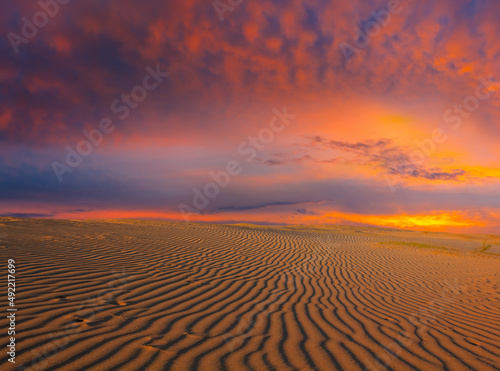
420,90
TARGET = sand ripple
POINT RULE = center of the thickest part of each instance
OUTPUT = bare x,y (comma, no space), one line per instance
143,295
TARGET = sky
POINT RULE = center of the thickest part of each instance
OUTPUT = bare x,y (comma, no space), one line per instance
356,112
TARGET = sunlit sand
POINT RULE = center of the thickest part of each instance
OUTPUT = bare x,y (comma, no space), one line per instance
150,295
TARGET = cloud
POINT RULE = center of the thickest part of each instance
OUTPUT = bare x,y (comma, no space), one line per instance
53,91
27,215
305,212
382,154
226,77
252,207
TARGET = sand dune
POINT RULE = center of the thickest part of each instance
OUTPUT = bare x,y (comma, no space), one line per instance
145,295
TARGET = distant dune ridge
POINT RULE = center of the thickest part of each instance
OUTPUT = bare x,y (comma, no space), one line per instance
152,295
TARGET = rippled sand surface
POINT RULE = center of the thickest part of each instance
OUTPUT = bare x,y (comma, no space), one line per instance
148,295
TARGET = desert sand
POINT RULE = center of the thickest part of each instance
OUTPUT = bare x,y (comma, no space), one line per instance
152,295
